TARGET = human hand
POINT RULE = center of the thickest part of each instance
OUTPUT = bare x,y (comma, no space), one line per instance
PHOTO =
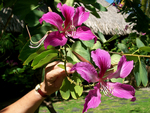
54,76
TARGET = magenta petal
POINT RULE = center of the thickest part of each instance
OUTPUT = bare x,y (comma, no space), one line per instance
84,33
80,16
102,60
123,70
52,18
68,13
55,39
122,90
87,71
93,99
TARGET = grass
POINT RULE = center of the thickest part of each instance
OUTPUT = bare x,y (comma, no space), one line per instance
108,105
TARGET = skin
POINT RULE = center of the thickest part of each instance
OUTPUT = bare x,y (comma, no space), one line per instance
54,76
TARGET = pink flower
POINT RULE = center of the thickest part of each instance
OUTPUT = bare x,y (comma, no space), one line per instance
67,28
88,72
143,33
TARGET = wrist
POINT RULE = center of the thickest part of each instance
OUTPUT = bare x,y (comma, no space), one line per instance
39,89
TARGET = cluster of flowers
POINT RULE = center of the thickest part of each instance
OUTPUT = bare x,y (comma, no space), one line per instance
71,27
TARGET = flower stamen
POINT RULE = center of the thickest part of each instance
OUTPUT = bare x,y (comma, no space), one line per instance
105,89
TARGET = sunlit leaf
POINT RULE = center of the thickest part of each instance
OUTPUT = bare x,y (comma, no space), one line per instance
101,36
89,43
69,2
76,90
46,55
117,80
61,66
45,60
96,45
64,89
115,58
81,49
71,56
139,43
33,55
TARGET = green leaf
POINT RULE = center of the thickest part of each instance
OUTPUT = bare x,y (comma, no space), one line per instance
90,7
71,56
64,89
134,58
140,73
1,6
115,58
30,58
95,14
88,1
69,2
122,47
82,50
99,6
117,80
61,66
146,48
137,74
96,45
26,51
43,56
33,55
112,38
33,17
45,60
143,73
42,30
139,43
76,90
101,36
89,43
23,7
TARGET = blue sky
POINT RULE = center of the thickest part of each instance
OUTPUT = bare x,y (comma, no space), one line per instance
109,1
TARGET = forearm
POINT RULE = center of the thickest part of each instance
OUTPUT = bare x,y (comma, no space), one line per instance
27,104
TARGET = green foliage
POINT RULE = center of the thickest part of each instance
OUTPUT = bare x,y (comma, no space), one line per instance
33,17
115,58
136,16
41,57
68,88
17,75
139,43
122,47
140,73
132,46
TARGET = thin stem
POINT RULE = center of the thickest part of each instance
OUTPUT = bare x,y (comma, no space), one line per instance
135,51
130,54
65,61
